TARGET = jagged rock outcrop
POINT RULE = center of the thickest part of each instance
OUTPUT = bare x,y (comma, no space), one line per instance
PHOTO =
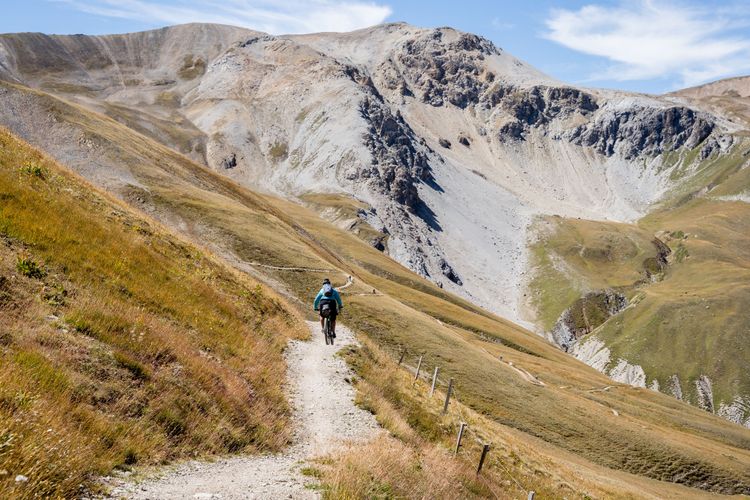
674,387
642,131
716,144
399,161
451,71
656,265
536,107
229,162
449,272
738,411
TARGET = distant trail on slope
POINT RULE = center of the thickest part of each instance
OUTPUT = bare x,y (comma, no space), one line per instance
324,416
285,268
349,282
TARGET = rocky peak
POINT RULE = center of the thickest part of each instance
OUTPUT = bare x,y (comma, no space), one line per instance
443,70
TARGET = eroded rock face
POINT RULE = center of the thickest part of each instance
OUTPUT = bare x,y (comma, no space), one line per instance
229,162
644,131
400,161
716,144
440,70
628,373
585,315
674,387
738,411
449,272
705,393
536,107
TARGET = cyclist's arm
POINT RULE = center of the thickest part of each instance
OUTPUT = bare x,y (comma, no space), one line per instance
317,300
338,300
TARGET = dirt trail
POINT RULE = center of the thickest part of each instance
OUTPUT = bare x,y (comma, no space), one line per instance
324,416
287,268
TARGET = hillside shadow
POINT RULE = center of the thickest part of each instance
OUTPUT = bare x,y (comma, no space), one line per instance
426,214
434,185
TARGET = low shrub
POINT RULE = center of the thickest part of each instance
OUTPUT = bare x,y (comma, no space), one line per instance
29,268
33,170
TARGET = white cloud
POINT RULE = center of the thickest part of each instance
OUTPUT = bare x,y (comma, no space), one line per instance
275,17
648,39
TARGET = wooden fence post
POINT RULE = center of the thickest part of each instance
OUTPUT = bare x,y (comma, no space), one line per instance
434,381
401,359
485,449
419,365
448,396
460,435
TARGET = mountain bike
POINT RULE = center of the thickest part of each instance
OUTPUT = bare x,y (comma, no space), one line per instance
328,331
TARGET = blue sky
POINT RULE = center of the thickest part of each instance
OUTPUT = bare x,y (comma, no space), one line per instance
641,45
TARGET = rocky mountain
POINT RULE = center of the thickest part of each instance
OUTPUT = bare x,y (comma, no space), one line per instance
415,123
449,149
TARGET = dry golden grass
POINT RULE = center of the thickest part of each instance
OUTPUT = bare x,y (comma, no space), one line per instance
128,345
387,468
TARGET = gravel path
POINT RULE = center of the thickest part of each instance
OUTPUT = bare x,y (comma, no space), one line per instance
325,417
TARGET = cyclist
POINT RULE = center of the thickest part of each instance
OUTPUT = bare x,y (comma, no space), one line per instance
328,303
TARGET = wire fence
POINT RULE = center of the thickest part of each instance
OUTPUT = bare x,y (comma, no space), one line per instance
456,410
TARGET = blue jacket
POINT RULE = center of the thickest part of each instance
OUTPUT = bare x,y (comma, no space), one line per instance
335,296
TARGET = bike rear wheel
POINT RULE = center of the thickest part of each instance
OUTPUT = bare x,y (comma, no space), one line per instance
327,331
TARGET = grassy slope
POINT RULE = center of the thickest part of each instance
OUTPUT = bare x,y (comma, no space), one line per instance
577,256
343,211
128,345
695,321
654,435
698,317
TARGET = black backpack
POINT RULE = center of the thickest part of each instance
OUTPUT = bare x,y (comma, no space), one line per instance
327,307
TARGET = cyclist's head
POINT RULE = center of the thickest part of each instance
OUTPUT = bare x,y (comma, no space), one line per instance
326,281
